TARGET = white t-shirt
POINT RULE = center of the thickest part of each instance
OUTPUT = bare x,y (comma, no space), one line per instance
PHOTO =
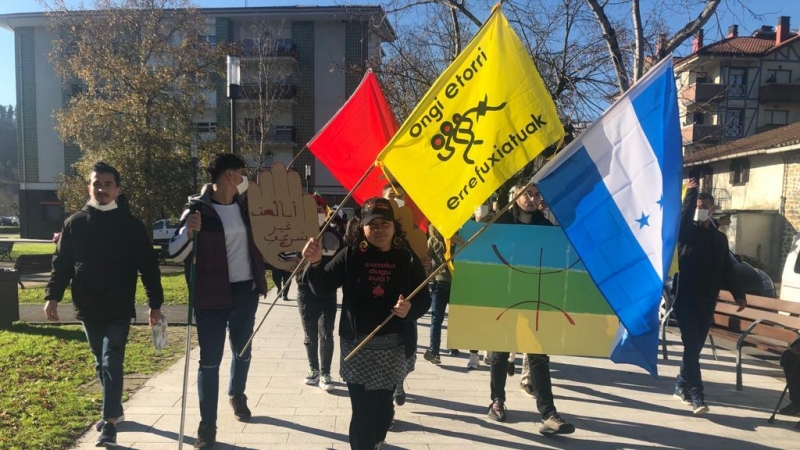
236,244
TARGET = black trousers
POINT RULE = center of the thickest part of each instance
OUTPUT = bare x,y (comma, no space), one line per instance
372,412
789,362
318,315
540,376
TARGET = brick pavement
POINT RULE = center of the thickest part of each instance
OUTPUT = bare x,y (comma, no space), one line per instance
613,407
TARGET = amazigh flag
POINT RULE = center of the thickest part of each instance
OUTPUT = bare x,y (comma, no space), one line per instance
483,120
523,288
616,192
350,142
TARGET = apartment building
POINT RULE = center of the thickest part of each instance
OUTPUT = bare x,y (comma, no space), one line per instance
739,86
316,47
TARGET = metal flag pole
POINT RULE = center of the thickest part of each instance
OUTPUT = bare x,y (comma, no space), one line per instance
192,272
438,269
301,263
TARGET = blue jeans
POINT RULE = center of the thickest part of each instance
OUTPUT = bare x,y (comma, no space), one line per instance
694,320
440,297
211,326
107,342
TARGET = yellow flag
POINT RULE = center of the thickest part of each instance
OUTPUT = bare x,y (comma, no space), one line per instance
482,121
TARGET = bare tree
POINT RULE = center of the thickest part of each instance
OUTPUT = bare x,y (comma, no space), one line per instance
268,90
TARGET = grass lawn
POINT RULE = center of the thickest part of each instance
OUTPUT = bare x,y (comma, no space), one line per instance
173,283
49,395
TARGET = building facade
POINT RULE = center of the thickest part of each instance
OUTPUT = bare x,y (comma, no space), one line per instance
313,48
739,86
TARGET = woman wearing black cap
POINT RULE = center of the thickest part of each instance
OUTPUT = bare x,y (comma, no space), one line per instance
375,274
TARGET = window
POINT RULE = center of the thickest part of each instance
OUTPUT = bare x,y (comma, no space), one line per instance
210,40
77,89
737,82
776,117
704,176
700,77
698,117
206,127
740,171
734,123
779,76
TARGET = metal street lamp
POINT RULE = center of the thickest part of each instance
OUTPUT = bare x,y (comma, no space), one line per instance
234,90
194,154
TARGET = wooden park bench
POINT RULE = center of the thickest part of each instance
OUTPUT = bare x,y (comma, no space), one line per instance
30,264
768,324
5,250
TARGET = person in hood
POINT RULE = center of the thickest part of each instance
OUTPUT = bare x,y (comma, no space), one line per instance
101,251
229,278
704,267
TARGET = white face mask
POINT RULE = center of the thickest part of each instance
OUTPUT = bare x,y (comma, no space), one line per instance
241,188
107,207
400,202
701,215
321,219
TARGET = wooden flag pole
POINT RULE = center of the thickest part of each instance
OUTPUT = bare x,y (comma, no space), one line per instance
438,269
302,261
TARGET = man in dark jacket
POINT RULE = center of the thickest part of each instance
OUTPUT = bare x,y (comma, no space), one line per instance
229,278
101,250
704,267
527,211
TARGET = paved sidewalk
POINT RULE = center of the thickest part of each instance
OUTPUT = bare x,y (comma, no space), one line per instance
613,407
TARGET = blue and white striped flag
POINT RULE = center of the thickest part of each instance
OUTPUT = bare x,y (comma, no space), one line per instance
616,193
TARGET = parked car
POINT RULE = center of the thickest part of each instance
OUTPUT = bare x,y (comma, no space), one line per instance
754,282
9,220
163,230
790,278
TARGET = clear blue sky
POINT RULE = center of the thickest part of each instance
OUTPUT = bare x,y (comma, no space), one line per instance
770,9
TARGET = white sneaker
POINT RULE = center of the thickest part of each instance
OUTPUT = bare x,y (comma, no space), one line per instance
312,378
474,361
99,425
380,445
325,382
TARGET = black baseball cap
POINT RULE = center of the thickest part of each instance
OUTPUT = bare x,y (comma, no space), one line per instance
376,208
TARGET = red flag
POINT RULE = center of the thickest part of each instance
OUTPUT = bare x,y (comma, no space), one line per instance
349,143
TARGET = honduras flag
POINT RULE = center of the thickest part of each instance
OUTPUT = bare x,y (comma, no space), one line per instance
616,193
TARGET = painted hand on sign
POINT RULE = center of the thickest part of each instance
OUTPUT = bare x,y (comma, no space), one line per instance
282,215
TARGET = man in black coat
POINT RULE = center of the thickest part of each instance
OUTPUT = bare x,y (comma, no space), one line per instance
704,267
101,251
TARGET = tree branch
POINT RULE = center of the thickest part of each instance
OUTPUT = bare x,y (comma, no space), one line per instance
610,37
689,29
638,42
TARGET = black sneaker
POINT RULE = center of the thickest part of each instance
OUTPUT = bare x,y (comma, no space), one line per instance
206,436
555,424
108,436
400,395
792,409
432,357
699,405
99,425
240,410
391,421
454,352
497,411
682,394
510,368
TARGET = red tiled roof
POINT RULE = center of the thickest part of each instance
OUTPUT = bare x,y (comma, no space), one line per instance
779,137
738,46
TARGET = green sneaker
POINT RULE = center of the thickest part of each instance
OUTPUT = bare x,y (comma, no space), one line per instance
312,378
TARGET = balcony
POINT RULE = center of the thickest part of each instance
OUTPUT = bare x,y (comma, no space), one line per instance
285,91
280,135
780,93
768,127
699,133
280,48
701,93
